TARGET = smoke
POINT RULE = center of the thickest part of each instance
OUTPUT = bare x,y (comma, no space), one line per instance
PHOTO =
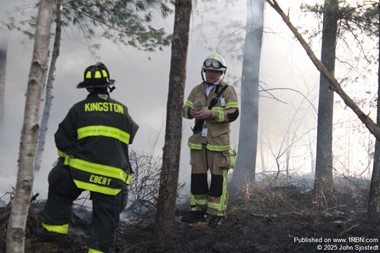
142,85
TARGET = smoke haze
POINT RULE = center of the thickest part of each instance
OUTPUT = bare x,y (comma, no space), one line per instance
142,85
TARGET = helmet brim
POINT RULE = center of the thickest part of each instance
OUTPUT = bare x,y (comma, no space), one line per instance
85,84
222,69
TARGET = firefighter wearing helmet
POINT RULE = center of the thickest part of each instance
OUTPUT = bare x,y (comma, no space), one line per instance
92,142
214,105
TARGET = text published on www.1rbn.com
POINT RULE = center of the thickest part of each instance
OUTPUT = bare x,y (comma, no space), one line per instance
350,244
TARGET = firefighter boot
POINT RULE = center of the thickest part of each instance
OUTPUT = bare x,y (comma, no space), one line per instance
194,216
46,236
214,220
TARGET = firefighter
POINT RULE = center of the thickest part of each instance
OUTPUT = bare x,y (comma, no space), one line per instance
214,105
92,143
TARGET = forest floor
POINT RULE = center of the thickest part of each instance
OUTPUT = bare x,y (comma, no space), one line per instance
268,219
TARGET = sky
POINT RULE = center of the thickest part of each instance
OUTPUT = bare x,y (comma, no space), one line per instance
142,85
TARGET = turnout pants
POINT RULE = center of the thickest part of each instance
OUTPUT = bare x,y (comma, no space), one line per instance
213,198
105,215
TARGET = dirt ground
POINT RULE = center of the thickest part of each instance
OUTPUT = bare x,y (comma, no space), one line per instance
268,219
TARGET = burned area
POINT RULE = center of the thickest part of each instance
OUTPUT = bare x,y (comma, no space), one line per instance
268,218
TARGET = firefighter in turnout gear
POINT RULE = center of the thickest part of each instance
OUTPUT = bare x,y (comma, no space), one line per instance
214,105
92,143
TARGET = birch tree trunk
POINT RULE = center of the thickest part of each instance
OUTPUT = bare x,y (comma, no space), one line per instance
244,171
49,89
166,204
37,75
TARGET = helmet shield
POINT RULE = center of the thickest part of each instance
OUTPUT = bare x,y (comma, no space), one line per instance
96,76
214,62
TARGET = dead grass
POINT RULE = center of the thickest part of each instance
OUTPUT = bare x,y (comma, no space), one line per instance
268,220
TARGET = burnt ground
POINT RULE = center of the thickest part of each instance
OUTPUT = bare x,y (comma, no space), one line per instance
267,219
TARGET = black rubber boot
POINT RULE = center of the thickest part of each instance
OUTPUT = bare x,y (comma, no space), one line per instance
194,216
214,220
46,236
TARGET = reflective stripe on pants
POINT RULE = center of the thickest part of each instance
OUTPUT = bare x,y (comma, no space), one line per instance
105,214
202,196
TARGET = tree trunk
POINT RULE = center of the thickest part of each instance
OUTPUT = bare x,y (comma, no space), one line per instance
37,77
244,172
49,89
374,192
171,156
373,211
323,183
334,85
3,72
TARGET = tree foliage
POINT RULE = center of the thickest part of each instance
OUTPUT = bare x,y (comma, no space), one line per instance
357,18
357,26
127,22
334,84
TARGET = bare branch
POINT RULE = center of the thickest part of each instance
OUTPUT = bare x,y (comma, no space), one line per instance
334,85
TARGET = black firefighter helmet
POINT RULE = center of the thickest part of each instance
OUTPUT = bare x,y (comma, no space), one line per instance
96,76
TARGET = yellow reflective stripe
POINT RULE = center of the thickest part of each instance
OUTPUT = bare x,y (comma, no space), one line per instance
232,158
64,155
98,74
232,105
129,179
94,251
220,116
88,74
61,153
189,103
60,229
194,146
104,72
103,170
96,188
223,199
194,202
221,206
201,202
107,131
213,205
215,57
219,113
218,147
209,147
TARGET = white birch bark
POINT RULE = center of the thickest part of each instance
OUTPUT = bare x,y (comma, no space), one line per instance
49,90
30,129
